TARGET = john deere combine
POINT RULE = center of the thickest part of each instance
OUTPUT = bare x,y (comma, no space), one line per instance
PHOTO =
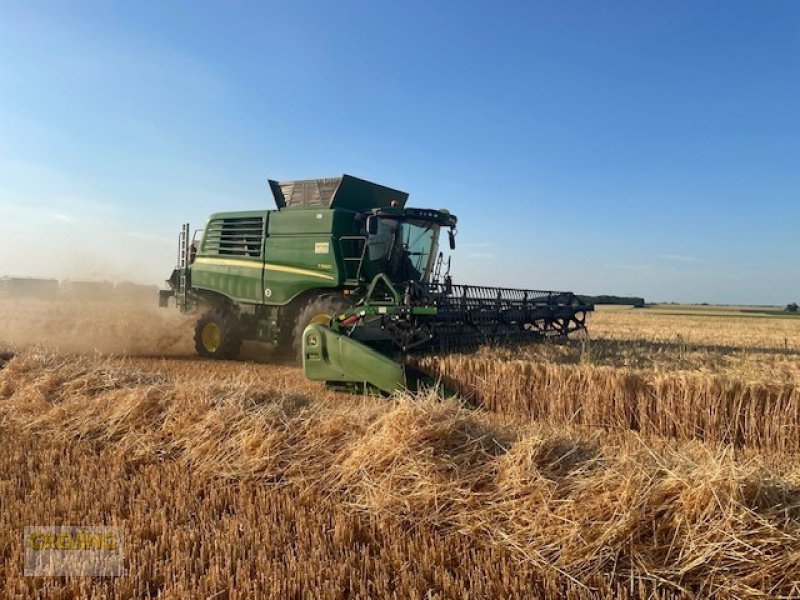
350,281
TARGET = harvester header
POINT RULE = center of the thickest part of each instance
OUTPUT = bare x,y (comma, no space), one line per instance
351,282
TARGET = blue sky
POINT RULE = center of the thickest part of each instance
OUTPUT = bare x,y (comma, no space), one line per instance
648,148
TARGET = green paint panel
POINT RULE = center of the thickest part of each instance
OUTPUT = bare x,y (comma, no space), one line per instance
301,220
312,255
300,251
239,283
333,357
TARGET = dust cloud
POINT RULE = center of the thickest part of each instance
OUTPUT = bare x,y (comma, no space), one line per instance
104,324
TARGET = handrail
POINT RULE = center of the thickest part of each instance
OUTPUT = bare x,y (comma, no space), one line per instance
360,258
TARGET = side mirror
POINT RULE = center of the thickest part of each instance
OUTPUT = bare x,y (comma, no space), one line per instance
452,237
372,225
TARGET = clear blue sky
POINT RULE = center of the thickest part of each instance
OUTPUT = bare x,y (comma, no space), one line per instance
631,147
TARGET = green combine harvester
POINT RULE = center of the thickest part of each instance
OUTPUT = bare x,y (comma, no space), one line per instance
349,281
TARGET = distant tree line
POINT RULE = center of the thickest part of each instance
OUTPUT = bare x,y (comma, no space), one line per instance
621,300
793,307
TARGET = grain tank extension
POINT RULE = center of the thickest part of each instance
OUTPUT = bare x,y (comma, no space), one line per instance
347,279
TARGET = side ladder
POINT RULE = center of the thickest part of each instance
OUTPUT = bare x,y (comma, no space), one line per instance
182,295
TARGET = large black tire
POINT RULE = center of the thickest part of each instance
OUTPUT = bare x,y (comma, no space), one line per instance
217,334
285,341
317,309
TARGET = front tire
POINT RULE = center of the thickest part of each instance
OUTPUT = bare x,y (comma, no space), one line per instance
320,310
217,334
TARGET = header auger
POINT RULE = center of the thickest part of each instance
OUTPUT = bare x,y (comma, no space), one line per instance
350,281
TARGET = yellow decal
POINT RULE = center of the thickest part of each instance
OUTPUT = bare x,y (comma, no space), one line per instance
229,262
234,262
296,271
321,248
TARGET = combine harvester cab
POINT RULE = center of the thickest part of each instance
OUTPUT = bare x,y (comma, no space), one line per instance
347,279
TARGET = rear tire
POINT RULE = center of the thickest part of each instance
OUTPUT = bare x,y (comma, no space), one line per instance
217,334
317,310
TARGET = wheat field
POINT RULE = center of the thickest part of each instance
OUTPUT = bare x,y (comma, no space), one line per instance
657,459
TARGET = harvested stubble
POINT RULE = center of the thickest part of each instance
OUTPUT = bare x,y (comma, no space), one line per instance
240,483
191,536
751,365
730,331
681,405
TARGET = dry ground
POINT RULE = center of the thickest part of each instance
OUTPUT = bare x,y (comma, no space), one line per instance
663,465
